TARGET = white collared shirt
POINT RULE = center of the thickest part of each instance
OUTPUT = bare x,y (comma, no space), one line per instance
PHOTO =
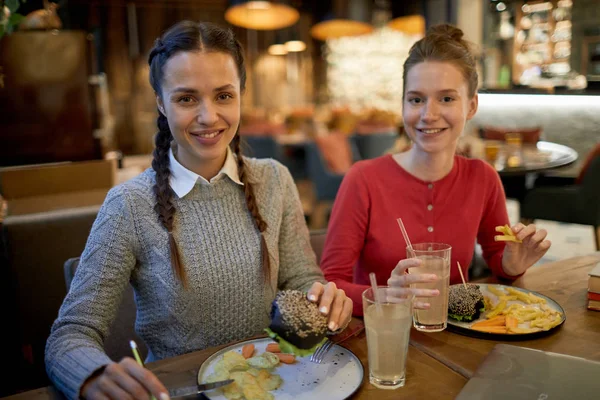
182,180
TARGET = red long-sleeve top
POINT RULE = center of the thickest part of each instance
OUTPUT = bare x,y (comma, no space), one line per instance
363,236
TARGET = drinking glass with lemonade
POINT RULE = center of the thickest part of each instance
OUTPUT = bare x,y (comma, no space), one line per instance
388,330
436,260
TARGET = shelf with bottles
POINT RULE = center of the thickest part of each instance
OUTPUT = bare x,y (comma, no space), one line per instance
542,41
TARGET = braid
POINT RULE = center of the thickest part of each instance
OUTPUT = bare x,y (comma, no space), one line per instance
164,207
252,206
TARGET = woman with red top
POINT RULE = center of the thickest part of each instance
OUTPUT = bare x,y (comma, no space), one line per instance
441,197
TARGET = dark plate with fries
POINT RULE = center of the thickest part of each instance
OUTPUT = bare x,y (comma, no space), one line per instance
512,313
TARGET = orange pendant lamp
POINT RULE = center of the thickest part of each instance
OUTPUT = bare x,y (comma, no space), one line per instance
336,28
410,24
261,15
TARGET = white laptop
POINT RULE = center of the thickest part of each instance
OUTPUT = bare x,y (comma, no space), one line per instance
519,373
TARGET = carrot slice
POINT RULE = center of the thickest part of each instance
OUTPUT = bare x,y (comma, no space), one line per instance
511,322
286,358
273,348
490,329
248,350
495,321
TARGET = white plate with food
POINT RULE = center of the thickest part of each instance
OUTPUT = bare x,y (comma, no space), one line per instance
337,377
507,313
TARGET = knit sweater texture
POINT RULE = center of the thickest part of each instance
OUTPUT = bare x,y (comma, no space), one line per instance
227,299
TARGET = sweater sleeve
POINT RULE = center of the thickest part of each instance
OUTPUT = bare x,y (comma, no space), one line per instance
494,214
74,349
298,263
346,234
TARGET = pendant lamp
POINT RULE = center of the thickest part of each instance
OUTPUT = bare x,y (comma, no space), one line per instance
261,15
336,28
410,24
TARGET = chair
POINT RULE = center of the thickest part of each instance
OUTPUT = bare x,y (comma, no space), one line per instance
261,147
36,246
39,188
122,329
576,204
375,144
325,182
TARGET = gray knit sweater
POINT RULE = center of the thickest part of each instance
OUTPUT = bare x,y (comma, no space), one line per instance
219,246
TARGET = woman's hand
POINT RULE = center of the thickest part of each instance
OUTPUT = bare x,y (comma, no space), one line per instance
124,380
333,302
400,282
518,257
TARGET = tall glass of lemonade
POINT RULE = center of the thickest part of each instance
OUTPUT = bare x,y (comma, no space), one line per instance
388,329
436,260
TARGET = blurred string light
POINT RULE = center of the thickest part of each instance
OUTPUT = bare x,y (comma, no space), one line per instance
365,72
277,50
500,6
295,46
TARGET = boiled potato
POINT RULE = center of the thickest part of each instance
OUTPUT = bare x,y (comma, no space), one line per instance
233,391
268,381
255,392
264,361
234,361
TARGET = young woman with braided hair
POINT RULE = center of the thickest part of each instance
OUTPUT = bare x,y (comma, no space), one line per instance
206,237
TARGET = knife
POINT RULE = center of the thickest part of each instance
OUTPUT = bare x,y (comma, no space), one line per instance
197,389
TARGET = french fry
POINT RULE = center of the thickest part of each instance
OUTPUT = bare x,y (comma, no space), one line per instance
508,235
523,330
520,295
273,348
536,299
497,291
497,310
507,298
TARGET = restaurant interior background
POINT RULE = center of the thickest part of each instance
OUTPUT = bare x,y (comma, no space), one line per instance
324,90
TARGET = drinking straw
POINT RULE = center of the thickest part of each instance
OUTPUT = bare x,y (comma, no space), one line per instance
461,275
406,239
376,296
133,346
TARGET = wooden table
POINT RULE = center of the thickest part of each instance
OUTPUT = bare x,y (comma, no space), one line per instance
425,375
439,364
564,281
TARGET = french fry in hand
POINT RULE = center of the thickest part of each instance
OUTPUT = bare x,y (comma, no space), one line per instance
508,235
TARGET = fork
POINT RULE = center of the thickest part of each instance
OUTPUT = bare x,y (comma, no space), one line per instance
321,351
